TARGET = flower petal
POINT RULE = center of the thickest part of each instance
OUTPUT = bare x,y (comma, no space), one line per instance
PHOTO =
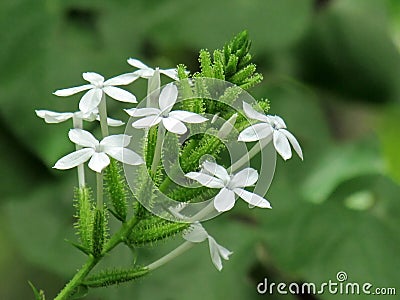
72,90
117,140
147,122
206,180
123,79
174,125
119,94
195,233
216,170
277,121
137,63
255,132
90,100
124,155
252,199
74,159
113,123
216,252
225,200
82,138
53,117
282,145
187,116
99,161
168,97
145,73
245,177
141,112
253,114
171,73
294,142
93,77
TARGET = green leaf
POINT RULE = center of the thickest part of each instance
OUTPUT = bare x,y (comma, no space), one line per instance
39,295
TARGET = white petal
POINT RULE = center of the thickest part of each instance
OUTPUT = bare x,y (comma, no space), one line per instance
147,122
245,177
277,121
216,170
113,123
99,161
252,199
74,159
294,142
141,112
82,138
216,252
137,63
171,73
93,77
145,73
225,200
125,156
168,97
195,233
255,132
282,145
117,140
88,116
53,117
90,100
174,125
206,180
253,114
123,79
119,94
72,90
187,116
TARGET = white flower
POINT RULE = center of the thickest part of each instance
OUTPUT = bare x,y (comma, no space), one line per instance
52,117
172,120
147,72
216,176
98,152
97,87
197,234
270,125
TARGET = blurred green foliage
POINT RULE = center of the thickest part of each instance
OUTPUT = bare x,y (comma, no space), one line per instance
331,69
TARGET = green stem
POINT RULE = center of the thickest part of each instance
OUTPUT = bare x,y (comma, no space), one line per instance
77,279
170,256
77,123
103,116
100,188
157,150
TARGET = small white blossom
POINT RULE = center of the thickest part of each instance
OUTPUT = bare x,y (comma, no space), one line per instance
270,126
52,117
97,87
216,176
173,121
98,152
197,234
147,72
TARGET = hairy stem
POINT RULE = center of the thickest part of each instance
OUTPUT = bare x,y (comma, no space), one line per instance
157,150
100,188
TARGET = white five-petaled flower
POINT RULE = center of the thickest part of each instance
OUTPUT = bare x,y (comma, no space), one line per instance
97,87
270,126
172,120
147,72
98,152
216,176
52,117
197,234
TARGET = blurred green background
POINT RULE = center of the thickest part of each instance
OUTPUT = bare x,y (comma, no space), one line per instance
332,71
